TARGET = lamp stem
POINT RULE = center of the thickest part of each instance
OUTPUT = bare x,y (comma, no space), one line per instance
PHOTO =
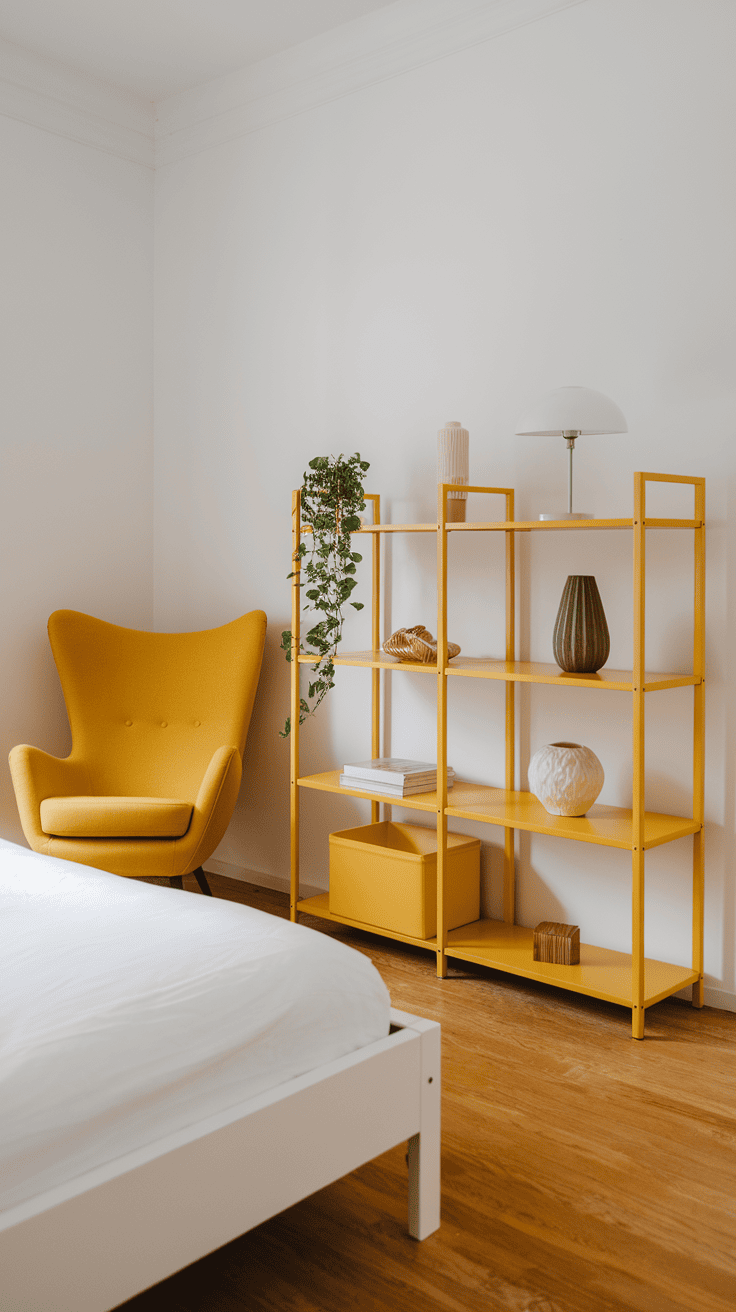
570,440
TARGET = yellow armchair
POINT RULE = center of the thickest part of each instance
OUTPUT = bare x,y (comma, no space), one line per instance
159,723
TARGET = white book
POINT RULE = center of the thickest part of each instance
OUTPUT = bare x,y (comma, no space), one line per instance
395,770
396,791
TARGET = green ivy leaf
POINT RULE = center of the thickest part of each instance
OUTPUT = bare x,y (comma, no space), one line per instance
332,496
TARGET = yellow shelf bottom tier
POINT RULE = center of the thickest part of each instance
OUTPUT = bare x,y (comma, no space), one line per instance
601,974
320,906
607,826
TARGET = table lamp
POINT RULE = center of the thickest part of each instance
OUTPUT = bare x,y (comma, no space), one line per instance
571,412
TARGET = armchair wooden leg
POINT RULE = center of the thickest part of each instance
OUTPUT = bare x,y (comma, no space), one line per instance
177,881
201,879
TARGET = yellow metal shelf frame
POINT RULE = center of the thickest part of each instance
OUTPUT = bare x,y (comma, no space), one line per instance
623,978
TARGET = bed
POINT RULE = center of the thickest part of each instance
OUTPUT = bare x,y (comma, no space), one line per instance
175,1070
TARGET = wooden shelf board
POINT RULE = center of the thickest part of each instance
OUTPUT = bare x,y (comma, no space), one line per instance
320,906
601,974
607,826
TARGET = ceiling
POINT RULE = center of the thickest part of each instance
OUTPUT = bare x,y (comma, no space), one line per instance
159,47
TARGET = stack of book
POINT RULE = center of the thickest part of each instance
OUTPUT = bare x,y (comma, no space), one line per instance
393,777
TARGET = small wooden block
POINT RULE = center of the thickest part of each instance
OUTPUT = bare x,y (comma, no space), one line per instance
557,943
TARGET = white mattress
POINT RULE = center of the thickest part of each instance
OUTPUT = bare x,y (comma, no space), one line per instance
128,1011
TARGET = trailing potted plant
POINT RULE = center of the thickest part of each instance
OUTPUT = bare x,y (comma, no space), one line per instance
332,497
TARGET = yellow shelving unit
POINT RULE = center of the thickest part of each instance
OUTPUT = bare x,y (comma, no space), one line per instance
627,979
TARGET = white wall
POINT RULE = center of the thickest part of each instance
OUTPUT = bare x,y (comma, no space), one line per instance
552,206
76,356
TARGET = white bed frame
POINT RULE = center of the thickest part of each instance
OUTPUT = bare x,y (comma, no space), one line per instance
90,1245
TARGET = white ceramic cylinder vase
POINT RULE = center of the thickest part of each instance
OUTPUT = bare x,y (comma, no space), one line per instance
453,466
566,778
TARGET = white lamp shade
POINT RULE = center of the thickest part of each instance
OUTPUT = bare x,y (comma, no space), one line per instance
572,410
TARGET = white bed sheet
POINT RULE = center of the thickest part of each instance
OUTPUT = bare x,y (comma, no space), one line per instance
128,1011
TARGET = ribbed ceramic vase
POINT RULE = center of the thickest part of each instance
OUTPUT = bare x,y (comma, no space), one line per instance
453,466
580,641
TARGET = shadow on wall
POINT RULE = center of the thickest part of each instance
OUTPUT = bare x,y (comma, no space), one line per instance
491,884
258,836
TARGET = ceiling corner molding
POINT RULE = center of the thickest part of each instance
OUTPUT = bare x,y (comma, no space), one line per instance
381,45
48,95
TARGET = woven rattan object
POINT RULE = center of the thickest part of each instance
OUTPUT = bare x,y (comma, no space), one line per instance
417,644
557,943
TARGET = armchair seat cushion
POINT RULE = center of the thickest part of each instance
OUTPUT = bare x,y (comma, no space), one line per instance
115,817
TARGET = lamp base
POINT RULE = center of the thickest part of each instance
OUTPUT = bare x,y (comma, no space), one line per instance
456,510
564,514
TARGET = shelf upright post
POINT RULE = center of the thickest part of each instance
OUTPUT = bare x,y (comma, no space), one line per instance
637,855
441,724
509,875
295,700
375,641
698,741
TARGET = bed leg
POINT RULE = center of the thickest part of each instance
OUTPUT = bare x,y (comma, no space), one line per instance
424,1147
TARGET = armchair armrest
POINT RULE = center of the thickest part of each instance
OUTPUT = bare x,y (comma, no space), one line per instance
36,775
218,793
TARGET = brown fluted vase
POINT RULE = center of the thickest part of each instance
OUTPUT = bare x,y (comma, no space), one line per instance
580,641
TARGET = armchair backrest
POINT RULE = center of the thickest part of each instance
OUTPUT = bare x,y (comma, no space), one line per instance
148,710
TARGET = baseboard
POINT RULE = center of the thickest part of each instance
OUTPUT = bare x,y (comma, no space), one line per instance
719,998
258,877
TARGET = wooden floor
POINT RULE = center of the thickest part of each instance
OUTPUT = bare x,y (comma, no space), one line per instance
582,1171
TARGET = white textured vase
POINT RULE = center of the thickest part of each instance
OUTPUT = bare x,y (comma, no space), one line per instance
453,466
566,778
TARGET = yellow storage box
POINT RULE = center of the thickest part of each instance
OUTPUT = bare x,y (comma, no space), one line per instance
386,875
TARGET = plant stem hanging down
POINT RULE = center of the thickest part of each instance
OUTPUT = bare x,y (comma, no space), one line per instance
331,498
